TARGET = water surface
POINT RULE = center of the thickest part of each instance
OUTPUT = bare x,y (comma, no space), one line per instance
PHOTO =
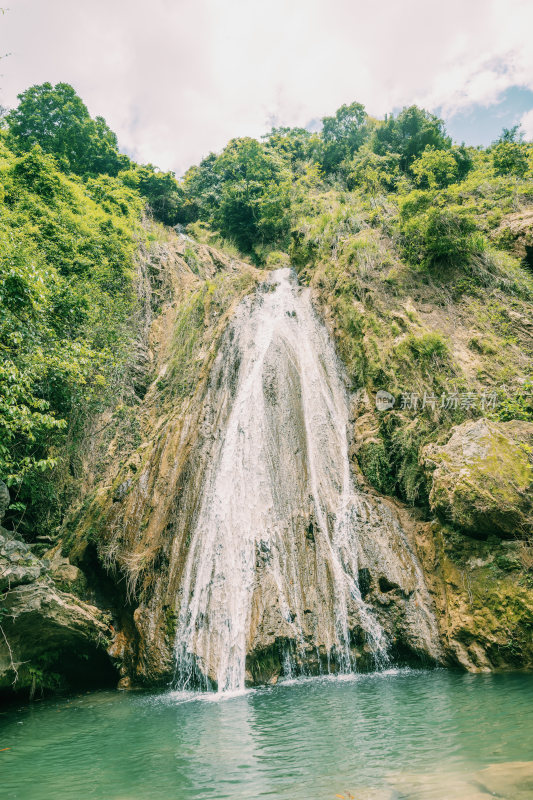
400,734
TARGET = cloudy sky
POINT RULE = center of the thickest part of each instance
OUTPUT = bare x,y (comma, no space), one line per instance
177,78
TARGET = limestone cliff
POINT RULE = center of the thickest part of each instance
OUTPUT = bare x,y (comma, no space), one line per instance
449,581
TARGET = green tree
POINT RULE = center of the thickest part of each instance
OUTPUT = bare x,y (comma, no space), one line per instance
297,146
255,194
373,173
343,134
409,134
66,295
164,194
435,169
507,135
510,158
56,119
202,190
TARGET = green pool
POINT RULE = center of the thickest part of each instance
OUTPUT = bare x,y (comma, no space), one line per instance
398,734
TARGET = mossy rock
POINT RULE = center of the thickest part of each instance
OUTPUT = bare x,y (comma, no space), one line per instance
482,478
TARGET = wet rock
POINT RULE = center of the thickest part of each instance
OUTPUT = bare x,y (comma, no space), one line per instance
18,565
268,490
64,574
385,585
482,478
4,499
51,637
122,490
291,547
365,581
484,614
48,636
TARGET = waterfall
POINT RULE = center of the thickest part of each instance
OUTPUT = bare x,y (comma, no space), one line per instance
275,548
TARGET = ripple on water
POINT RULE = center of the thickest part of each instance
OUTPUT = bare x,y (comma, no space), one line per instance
414,735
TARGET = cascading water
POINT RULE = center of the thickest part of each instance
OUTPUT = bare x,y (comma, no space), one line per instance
275,548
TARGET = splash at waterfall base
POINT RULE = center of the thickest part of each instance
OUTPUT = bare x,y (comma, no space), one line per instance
273,563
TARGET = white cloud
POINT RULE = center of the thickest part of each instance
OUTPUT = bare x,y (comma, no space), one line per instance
526,124
178,78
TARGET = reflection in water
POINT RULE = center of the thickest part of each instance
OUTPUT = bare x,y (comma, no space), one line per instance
421,736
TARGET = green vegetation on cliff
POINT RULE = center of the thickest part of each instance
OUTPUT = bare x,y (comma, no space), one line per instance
416,249
420,256
70,228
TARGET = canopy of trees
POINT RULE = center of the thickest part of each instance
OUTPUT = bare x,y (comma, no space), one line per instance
58,121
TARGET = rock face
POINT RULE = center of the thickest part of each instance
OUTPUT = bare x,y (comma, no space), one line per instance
48,638
252,451
517,230
281,541
480,590
483,478
262,556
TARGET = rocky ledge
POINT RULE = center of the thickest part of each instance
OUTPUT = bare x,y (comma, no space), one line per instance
49,638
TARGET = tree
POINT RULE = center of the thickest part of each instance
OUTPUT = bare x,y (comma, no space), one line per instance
164,194
375,174
510,158
409,134
254,196
202,189
507,135
297,146
56,119
434,169
67,297
343,134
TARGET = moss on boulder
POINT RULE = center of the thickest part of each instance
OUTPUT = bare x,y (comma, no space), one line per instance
482,478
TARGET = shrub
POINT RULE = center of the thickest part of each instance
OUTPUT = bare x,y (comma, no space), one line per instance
439,237
435,169
510,158
428,347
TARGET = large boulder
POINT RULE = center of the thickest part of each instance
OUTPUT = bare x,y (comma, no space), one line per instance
48,638
18,565
482,478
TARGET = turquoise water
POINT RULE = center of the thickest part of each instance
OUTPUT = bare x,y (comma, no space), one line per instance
392,735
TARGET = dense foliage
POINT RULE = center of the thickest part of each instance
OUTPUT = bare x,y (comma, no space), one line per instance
57,120
395,194
66,293
254,193
373,213
70,226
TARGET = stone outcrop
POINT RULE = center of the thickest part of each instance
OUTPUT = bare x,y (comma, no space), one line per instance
517,231
482,478
49,638
484,606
